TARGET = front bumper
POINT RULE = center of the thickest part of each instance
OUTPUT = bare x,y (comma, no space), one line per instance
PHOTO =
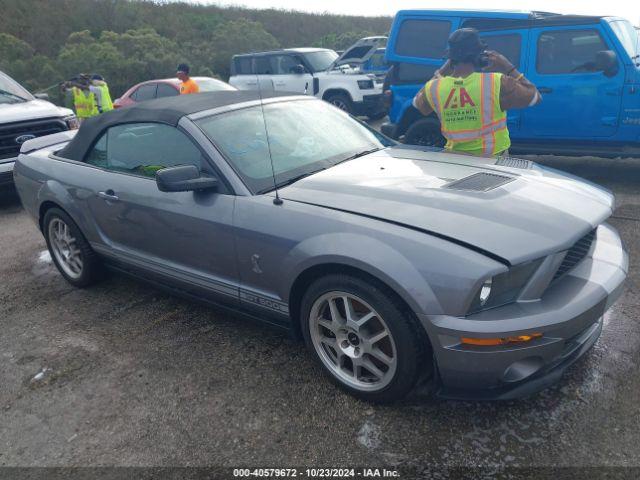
370,105
6,174
569,315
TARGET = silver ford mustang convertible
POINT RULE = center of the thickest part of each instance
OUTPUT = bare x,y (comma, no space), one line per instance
483,278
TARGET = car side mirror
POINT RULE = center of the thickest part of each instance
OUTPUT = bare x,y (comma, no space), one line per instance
41,96
298,69
184,178
607,63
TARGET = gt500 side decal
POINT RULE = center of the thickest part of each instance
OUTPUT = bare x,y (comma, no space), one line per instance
264,302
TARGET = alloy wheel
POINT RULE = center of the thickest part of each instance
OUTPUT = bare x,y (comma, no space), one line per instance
353,341
65,249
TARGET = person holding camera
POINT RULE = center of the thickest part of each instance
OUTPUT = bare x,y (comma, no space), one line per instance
471,94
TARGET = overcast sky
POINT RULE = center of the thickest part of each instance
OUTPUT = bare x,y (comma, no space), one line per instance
629,9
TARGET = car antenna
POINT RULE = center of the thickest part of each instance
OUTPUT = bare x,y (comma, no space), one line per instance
277,200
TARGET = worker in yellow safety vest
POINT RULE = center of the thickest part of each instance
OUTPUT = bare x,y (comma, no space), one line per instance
100,90
84,100
471,94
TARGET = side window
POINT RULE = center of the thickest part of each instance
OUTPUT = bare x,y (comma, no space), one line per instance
145,92
423,38
377,60
243,65
285,64
143,149
265,65
165,90
568,51
508,45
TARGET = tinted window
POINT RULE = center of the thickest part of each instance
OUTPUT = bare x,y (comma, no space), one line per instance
284,64
423,38
568,51
243,66
508,45
265,65
145,92
165,90
357,52
304,136
410,73
143,149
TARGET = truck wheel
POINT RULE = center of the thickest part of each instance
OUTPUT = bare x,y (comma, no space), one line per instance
365,341
426,133
70,251
340,100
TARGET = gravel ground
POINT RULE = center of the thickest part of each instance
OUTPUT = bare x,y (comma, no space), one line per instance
123,374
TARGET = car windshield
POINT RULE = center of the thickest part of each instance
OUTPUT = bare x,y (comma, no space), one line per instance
212,85
11,91
628,36
320,60
305,136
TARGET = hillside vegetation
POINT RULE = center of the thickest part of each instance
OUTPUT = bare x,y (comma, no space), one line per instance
43,42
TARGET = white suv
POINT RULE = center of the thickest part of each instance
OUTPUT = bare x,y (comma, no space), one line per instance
24,117
310,71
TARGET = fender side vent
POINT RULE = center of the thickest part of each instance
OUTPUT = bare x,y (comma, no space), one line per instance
480,182
514,163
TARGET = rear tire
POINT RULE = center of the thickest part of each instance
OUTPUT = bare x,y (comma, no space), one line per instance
373,349
341,101
71,253
425,132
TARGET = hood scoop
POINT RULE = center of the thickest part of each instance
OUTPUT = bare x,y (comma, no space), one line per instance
479,182
515,163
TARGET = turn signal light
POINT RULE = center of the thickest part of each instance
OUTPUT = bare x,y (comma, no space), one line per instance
500,341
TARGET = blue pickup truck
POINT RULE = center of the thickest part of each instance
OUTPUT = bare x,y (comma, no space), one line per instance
587,69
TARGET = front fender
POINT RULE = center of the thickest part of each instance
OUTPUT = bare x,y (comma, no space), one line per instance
364,253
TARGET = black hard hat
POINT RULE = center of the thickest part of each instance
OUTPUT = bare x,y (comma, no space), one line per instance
465,45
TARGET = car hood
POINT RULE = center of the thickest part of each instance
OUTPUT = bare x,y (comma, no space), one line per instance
30,110
360,52
528,213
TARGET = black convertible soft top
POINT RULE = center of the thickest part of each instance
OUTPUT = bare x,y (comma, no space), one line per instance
164,110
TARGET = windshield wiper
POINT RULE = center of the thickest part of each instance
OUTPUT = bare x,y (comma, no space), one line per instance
9,94
361,154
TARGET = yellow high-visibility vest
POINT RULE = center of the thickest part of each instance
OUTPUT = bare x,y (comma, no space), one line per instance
105,96
85,104
469,112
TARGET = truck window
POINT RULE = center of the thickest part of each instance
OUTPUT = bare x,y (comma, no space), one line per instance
508,45
243,66
423,38
284,64
568,51
627,35
410,73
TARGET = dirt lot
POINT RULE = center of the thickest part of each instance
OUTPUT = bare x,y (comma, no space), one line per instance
123,374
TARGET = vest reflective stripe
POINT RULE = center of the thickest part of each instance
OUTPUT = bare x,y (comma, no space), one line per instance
469,112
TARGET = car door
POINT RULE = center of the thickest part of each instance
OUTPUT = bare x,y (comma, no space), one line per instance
287,77
511,44
244,77
578,102
184,236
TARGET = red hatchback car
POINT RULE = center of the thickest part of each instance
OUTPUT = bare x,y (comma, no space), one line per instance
167,87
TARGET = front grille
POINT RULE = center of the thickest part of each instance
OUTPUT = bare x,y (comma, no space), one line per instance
575,254
479,182
8,133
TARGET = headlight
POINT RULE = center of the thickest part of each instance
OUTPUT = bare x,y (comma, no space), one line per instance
365,84
503,288
72,122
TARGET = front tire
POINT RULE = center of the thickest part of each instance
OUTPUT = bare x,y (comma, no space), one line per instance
69,249
341,101
364,339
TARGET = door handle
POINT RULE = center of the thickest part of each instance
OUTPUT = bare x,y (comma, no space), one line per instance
108,195
545,90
